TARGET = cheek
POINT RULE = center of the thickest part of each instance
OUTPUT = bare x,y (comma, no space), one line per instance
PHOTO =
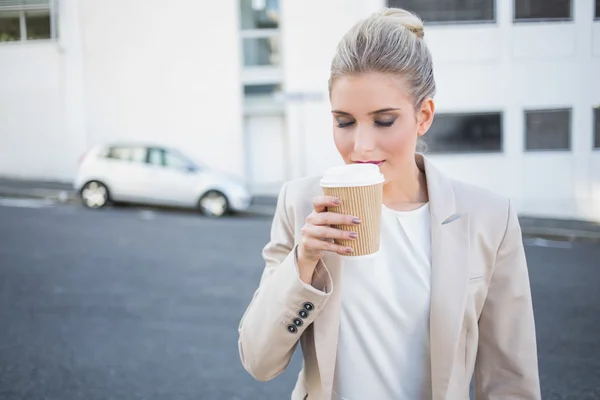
399,139
343,142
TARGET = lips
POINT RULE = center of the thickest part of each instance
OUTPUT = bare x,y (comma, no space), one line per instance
378,163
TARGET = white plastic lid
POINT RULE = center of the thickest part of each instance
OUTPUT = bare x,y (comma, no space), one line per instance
352,175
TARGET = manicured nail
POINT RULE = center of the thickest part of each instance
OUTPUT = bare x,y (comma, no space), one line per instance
356,220
353,235
348,250
337,202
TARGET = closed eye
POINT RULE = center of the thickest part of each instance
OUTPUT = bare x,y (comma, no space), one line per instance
345,124
385,124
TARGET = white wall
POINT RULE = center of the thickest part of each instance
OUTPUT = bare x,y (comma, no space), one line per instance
165,72
505,67
31,119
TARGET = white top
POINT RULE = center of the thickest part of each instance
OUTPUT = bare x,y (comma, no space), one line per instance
383,348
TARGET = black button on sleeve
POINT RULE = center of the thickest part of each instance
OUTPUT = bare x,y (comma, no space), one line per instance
303,314
292,328
298,322
309,306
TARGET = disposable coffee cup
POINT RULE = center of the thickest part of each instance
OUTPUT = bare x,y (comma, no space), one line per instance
360,188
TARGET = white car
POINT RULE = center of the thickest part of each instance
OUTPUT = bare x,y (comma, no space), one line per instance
147,174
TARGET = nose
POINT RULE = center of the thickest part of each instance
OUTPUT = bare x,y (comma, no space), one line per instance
364,140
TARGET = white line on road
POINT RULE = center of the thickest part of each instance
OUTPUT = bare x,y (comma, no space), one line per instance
539,242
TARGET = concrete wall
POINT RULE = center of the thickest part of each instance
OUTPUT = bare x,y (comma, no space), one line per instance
165,72
31,111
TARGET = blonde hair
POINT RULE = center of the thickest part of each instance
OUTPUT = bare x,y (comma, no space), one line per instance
391,42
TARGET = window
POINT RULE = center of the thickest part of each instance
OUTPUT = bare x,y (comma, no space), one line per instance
262,14
543,10
465,133
261,90
261,51
130,154
597,14
548,130
169,158
10,26
155,157
259,23
597,127
22,20
176,160
443,11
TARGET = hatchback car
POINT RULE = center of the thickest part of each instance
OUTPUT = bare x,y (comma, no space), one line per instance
156,175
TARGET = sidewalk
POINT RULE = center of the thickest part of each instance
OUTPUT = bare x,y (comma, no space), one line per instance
533,227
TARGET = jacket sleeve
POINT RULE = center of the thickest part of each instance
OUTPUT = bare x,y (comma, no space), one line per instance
507,365
283,306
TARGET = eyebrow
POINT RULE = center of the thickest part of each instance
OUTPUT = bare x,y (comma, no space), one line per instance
383,110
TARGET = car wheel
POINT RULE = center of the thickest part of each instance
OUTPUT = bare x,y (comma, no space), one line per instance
95,195
214,204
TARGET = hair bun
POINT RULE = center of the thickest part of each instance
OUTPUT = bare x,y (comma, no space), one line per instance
404,18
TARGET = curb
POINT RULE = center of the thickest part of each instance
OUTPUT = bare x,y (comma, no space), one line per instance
562,234
555,233
61,196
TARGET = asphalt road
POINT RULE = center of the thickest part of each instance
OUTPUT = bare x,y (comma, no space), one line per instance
136,304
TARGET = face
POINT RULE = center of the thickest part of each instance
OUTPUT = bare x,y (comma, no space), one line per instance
375,121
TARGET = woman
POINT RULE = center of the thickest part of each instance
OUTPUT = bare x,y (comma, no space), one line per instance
447,296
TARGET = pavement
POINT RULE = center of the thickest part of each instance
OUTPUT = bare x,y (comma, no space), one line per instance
126,303
532,227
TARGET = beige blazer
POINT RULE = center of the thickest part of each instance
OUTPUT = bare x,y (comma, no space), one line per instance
481,318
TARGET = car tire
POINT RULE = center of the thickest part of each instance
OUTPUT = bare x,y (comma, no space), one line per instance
214,204
95,194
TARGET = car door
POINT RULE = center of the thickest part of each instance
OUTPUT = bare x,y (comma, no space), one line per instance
174,177
125,169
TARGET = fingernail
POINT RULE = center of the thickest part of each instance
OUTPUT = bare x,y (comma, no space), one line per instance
337,202
356,220
353,235
348,250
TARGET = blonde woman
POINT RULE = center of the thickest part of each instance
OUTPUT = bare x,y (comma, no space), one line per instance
448,295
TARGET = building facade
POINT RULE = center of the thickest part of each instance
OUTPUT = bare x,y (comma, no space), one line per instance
241,85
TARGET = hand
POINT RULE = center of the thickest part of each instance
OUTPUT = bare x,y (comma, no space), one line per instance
318,235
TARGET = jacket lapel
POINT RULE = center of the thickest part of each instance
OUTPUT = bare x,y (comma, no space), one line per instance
449,276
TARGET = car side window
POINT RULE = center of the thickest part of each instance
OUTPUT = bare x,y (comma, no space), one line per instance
156,157
129,154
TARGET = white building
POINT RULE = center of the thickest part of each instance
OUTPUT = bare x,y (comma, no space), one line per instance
242,86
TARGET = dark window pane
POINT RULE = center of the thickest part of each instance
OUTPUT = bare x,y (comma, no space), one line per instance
597,9
10,28
259,14
261,90
449,10
597,128
542,9
38,24
465,133
548,130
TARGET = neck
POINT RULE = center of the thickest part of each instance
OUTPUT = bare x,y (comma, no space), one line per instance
407,190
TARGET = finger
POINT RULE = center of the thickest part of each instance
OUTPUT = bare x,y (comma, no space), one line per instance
331,218
314,245
320,203
327,233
